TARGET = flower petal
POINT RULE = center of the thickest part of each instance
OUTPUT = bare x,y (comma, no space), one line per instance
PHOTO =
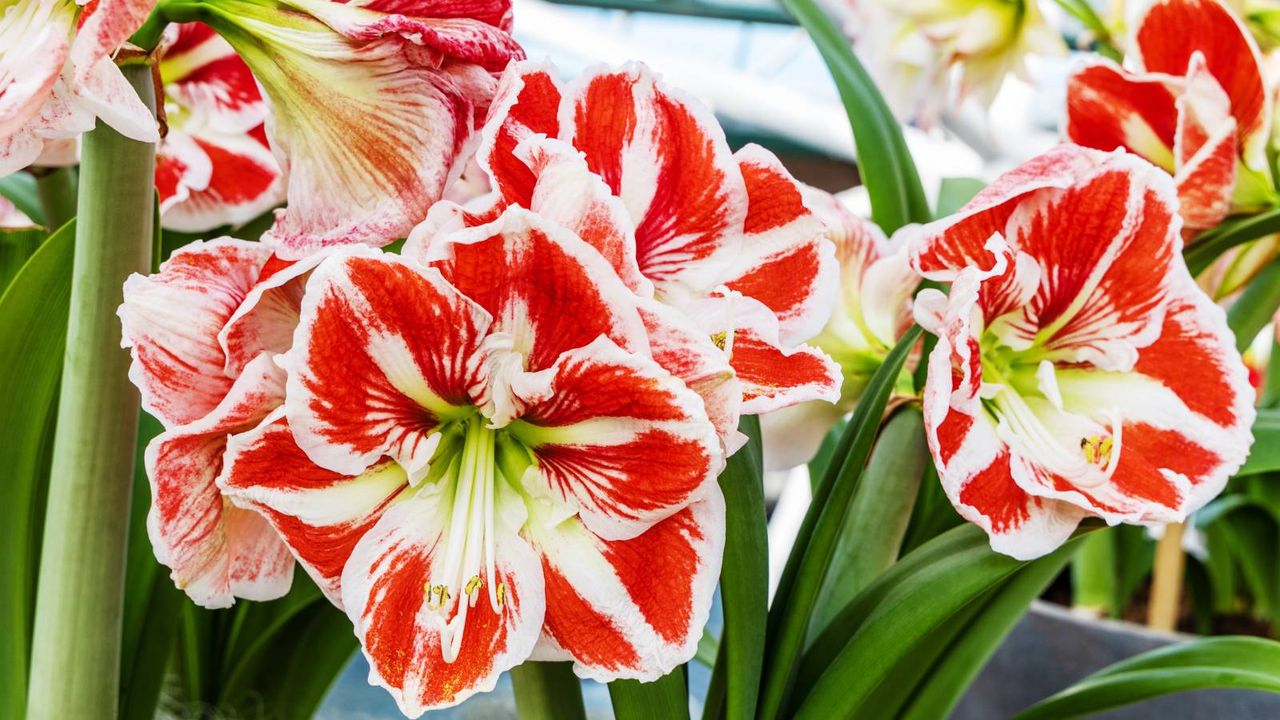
319,514
103,28
1169,32
35,36
668,161
631,608
171,322
203,75
214,555
1206,148
1109,108
244,182
384,593
617,437
785,261
384,350
526,103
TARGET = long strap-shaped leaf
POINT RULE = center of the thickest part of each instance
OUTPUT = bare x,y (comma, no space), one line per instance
810,558
1221,662
1265,454
884,163
666,698
1206,248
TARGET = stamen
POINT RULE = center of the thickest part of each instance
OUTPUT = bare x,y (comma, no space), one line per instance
502,594
719,339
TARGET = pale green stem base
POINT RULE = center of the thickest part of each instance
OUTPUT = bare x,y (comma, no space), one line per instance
57,196
75,664
1093,574
547,690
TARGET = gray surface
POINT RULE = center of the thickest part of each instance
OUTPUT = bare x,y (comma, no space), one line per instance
1050,650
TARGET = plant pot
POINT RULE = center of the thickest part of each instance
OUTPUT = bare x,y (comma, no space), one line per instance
1050,649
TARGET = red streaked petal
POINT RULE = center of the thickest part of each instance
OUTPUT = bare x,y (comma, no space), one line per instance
786,261
319,514
182,167
385,348
243,183
383,591
526,103
617,437
1109,108
211,559
1206,149
36,42
171,322
203,75
494,12
631,608
667,159
1169,32
545,288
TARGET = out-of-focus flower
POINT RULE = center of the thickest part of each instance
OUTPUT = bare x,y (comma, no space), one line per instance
57,74
646,176
1196,104
872,311
11,216
1079,372
372,105
214,167
928,54
478,455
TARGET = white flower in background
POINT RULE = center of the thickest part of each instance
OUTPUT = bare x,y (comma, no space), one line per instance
925,55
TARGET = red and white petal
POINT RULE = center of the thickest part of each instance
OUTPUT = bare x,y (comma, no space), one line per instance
683,349
547,290
618,438
61,118
104,91
666,157
493,12
244,182
1109,107
187,525
1206,148
384,592
182,167
1170,32
786,261
631,608
203,75
319,514
171,322
261,565
527,103
103,28
385,351
1103,247
568,194
35,36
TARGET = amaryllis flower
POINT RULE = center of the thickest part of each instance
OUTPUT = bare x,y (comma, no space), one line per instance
645,175
872,311
204,333
1196,104
1079,372
372,104
478,456
214,166
925,54
57,75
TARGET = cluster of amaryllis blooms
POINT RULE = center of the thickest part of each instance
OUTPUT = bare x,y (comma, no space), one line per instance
502,442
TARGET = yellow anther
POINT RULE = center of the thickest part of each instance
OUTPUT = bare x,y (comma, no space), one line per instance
472,585
502,593
1097,449
720,339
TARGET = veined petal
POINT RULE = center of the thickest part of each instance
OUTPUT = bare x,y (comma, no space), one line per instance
104,27
631,608
59,119
1109,108
104,90
617,437
244,182
527,103
385,593
319,514
1206,147
494,12
203,76
384,350
182,167
786,261
215,555
171,322
36,37
666,158
547,290
1169,32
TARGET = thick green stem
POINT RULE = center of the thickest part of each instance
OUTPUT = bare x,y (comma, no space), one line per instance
547,690
57,196
76,652
1093,575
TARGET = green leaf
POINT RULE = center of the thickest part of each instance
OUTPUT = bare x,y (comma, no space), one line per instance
1254,542
33,324
1081,10
1256,306
744,582
861,647
955,192
20,189
1221,662
1206,248
822,458
17,245
152,602
56,188
815,543
547,691
884,163
1264,456
877,520
297,673
932,515
666,698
